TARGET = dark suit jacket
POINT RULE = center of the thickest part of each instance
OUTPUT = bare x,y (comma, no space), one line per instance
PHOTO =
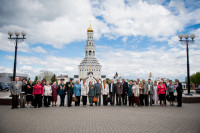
114,89
125,88
179,89
69,88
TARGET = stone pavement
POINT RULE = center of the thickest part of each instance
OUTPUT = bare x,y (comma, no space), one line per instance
102,119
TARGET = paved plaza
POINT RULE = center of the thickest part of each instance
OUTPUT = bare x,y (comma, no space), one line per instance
102,119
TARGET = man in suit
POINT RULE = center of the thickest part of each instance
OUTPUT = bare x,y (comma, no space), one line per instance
179,90
69,89
119,91
98,87
146,92
112,91
15,89
125,91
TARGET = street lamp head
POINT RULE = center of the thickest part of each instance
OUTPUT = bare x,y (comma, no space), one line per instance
17,33
186,36
23,33
192,36
10,33
180,36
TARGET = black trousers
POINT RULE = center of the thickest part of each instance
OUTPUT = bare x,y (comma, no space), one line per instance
124,99
130,101
141,97
15,101
146,97
69,100
38,100
78,102
105,100
112,97
62,100
179,100
118,99
84,100
47,100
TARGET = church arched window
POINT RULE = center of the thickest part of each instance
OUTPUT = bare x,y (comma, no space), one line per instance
90,52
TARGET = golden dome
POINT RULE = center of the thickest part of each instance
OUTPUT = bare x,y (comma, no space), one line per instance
90,29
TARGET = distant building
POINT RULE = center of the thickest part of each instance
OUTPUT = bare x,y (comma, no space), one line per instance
65,77
8,77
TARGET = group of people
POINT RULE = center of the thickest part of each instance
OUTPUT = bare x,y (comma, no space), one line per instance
138,93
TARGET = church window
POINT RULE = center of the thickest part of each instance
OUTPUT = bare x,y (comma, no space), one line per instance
90,52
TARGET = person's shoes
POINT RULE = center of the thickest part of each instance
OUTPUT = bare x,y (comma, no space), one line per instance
12,108
173,105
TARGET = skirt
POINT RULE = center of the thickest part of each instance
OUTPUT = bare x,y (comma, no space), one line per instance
162,97
29,98
136,100
171,96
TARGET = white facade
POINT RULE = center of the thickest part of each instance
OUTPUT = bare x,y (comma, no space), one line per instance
89,63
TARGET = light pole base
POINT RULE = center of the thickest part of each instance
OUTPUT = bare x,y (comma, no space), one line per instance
188,94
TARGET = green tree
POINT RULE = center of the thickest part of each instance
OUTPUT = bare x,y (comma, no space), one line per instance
28,79
53,79
36,78
107,80
195,78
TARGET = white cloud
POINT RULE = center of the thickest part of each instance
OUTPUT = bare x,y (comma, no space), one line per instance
162,62
39,50
58,24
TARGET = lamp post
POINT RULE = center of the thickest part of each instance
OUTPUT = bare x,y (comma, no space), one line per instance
187,42
16,39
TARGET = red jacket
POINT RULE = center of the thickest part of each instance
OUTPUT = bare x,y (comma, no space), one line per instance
161,89
37,89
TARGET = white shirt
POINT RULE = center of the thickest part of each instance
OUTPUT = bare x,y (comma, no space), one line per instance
149,87
84,89
105,91
111,87
47,90
135,90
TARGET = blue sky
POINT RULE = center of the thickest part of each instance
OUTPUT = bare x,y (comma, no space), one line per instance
132,37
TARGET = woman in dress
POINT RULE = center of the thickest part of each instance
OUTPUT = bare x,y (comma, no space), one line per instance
38,93
170,91
130,93
155,94
47,94
54,93
135,94
105,92
161,91
84,92
28,92
92,93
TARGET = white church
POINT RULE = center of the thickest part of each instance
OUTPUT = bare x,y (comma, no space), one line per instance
90,68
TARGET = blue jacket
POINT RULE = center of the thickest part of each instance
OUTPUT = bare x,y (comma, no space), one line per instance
130,90
77,89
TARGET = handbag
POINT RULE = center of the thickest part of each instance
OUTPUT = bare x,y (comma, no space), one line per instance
74,98
95,99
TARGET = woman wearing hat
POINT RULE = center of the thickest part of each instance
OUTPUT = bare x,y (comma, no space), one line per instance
38,93
61,92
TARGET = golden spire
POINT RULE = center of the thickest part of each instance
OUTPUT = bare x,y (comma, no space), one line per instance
90,28
90,69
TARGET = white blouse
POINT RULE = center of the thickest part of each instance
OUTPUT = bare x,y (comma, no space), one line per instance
84,90
135,90
105,91
47,90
